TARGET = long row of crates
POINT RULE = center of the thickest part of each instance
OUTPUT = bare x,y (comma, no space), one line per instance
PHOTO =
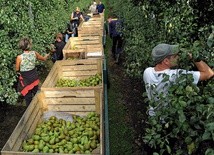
89,43
87,51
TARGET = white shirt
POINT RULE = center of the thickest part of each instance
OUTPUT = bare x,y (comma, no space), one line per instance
93,8
154,80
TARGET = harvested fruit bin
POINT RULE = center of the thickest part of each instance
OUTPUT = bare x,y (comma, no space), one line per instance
78,70
79,103
84,47
96,16
91,27
94,27
84,32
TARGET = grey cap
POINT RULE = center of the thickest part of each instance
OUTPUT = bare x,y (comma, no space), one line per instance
161,51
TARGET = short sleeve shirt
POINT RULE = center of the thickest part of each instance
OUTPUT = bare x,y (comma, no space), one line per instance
93,8
154,79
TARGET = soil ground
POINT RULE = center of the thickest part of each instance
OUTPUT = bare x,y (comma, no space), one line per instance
9,117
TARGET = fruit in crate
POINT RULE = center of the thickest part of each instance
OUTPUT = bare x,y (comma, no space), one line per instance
91,81
60,136
73,47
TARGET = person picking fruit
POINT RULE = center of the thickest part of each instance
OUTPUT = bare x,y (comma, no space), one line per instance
25,68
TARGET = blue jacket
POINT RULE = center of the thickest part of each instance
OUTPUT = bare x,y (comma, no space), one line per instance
100,8
115,27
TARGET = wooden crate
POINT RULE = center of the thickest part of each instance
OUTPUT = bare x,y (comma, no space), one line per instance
97,17
80,102
84,47
75,69
92,24
90,32
93,27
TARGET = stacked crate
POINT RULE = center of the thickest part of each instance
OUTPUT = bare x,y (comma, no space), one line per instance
89,43
72,100
93,27
34,115
83,47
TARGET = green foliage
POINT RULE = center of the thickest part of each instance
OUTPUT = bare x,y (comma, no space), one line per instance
185,122
39,20
152,22
188,116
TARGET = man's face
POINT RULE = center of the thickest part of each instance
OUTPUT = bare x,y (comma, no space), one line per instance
173,60
109,19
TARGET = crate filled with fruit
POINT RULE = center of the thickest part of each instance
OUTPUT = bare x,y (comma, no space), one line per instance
77,78
59,127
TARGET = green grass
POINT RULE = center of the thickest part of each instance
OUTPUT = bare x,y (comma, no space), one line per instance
119,130
120,133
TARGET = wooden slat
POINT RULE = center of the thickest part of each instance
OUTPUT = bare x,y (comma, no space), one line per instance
52,77
23,126
97,100
69,100
84,39
80,68
91,26
82,34
67,108
29,129
91,30
30,153
78,62
69,92
80,73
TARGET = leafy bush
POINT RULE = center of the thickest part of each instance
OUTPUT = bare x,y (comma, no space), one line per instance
188,117
40,20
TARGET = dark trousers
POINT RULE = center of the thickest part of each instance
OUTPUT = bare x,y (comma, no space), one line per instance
29,96
117,45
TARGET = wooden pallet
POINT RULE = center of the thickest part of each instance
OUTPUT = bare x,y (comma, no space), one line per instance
79,103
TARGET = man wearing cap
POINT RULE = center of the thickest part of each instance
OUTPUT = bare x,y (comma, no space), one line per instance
165,57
